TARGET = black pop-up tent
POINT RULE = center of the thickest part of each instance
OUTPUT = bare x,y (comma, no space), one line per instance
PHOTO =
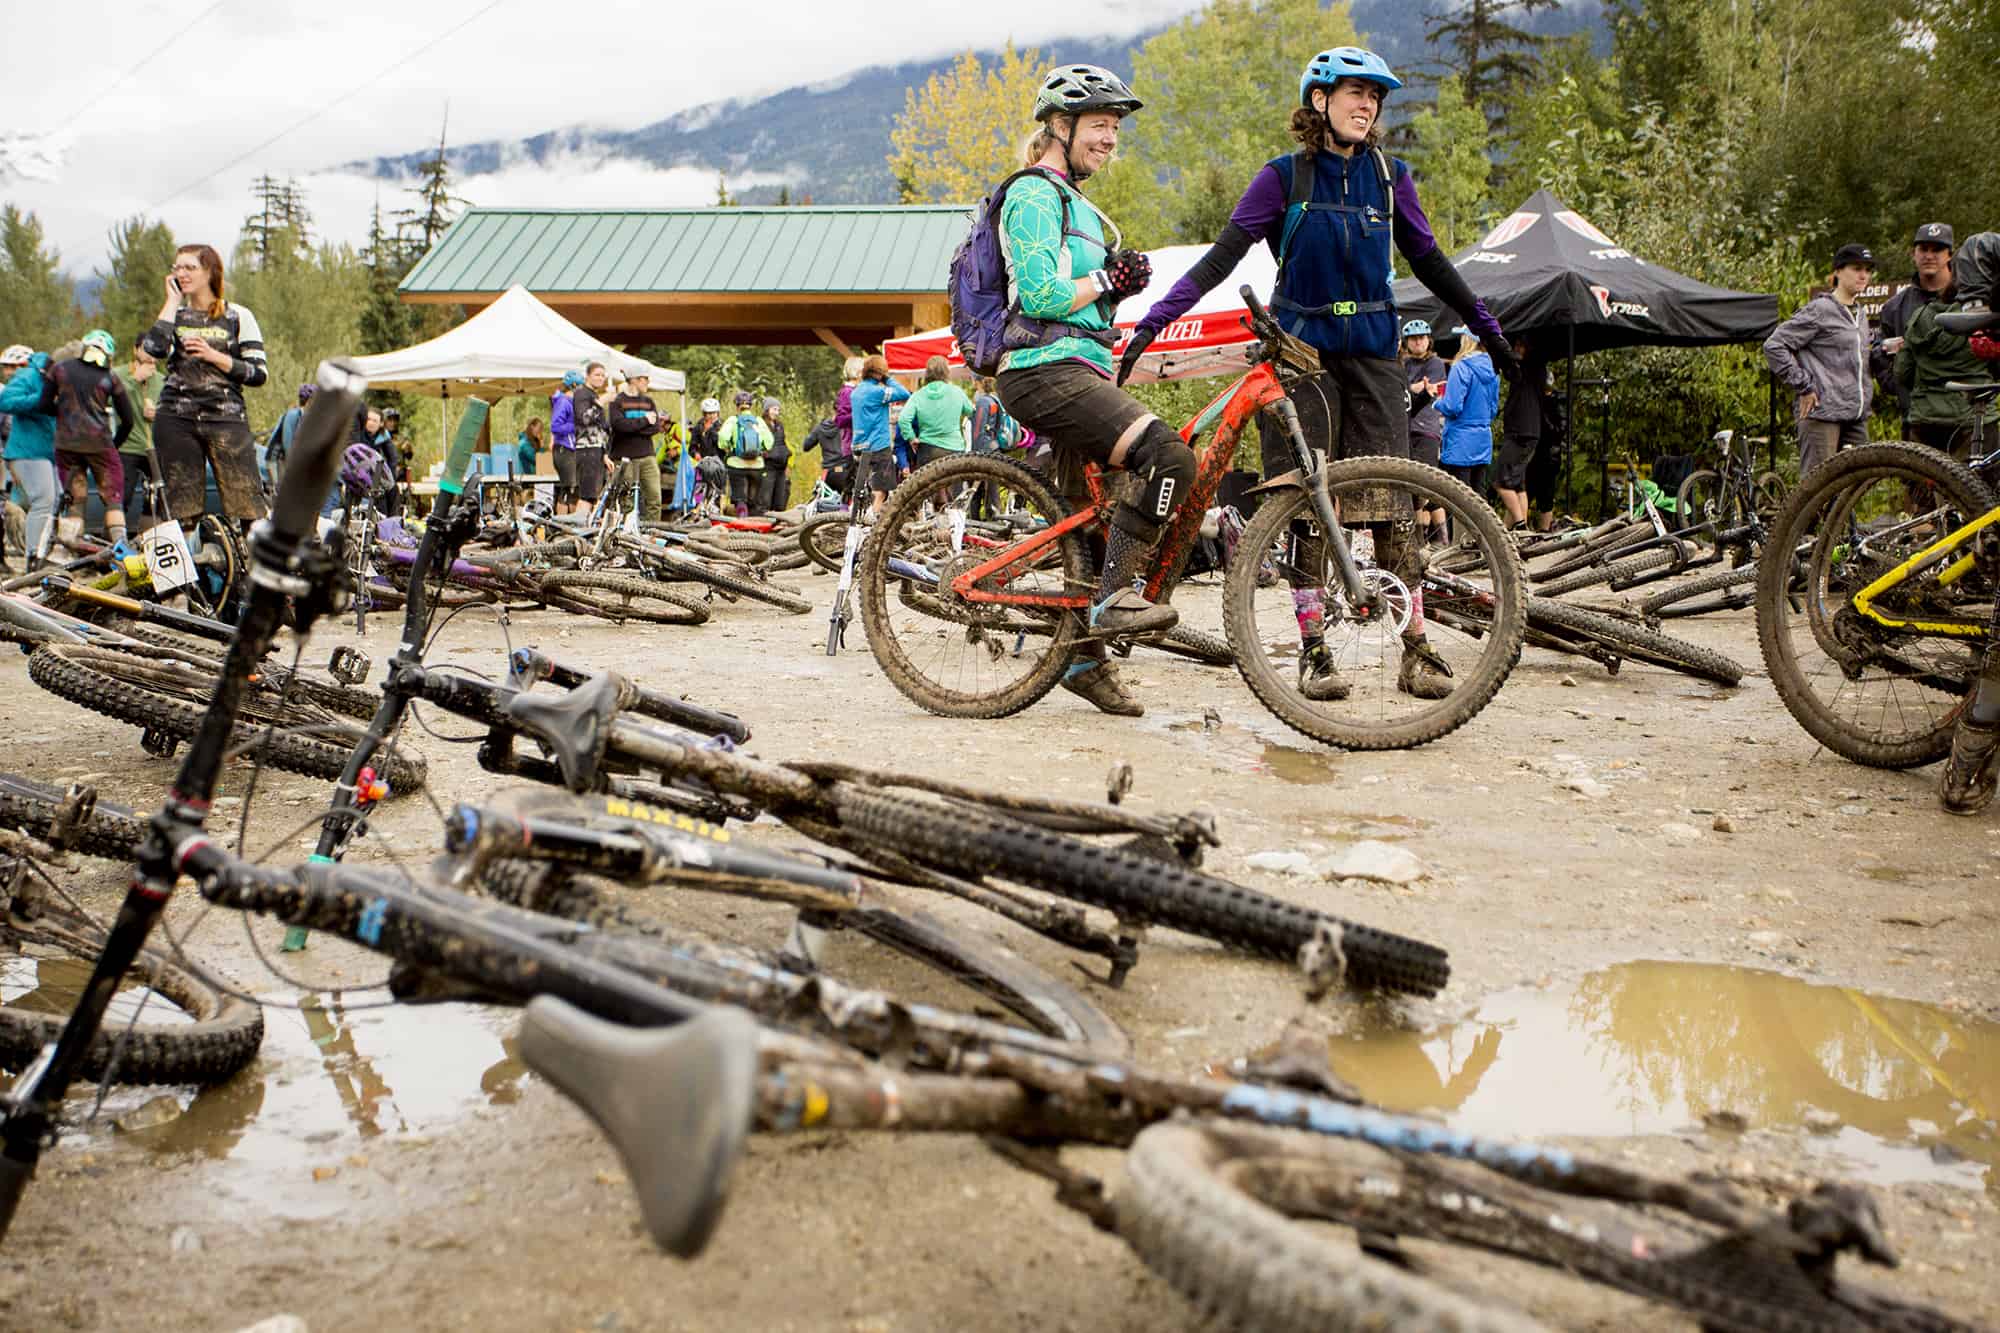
1547,273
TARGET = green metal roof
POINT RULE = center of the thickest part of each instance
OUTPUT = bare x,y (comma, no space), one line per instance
808,249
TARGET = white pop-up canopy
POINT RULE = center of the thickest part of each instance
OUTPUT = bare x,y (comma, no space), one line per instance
516,345
1209,339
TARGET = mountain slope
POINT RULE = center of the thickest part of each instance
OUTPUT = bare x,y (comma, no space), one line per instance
785,135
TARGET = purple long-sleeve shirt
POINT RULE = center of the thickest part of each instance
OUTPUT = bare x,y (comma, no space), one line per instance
1261,213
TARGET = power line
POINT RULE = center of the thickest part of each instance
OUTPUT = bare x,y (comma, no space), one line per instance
152,53
363,86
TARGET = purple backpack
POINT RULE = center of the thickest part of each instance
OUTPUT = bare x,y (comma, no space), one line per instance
985,326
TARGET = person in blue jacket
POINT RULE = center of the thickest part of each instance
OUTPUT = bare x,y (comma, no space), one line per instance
31,441
874,433
1471,400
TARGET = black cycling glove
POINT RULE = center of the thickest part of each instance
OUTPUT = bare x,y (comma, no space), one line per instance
1503,356
1126,273
1134,349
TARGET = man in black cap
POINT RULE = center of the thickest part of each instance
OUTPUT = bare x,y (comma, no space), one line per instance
1822,353
1930,255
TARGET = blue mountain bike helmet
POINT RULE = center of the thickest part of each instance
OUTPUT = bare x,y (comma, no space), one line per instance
1417,328
1345,62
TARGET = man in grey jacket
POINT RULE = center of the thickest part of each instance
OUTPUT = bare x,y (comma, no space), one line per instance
1822,353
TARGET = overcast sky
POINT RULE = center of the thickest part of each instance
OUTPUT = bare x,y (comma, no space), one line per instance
181,90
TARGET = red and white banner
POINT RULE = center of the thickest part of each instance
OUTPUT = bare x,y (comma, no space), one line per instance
1210,339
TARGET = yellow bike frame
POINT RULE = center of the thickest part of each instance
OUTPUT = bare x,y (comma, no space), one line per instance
1864,601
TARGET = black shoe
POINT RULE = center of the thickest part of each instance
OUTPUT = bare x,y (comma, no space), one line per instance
1318,681
1127,612
1967,785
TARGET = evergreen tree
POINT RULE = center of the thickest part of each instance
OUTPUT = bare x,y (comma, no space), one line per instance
385,322
128,294
419,227
1489,52
723,199
37,300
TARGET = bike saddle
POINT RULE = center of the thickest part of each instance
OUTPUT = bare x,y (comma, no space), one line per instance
1967,321
573,725
1981,390
675,1102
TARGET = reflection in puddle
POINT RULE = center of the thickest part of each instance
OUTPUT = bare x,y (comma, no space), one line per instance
328,1079
1653,1047
1289,763
54,985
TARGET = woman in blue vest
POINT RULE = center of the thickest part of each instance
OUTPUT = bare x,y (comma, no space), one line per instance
1330,212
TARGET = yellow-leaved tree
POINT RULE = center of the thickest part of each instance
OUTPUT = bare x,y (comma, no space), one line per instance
962,132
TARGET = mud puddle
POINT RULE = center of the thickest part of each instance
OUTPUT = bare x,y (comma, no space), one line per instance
1892,1090
1252,752
330,1079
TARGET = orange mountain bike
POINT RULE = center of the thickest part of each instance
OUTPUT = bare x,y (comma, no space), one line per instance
979,618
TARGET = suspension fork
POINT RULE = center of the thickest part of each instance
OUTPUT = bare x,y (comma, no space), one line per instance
1358,594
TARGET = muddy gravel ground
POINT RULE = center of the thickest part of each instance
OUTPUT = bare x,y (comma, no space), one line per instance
382,1167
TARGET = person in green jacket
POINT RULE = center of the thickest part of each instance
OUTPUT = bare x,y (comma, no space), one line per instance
142,385
936,414
744,440
1929,359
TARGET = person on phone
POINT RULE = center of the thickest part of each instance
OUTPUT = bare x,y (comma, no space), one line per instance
213,350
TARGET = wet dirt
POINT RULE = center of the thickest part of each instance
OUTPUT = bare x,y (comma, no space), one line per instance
393,1167
1890,1090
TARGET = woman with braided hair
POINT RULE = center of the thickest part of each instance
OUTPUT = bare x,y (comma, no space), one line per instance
1066,273
1330,212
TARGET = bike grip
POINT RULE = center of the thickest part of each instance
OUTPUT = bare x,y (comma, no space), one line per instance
1251,303
315,455
459,457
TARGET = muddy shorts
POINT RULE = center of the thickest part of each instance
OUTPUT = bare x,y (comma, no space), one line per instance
1072,406
878,469
565,474
1356,407
1425,448
106,466
589,473
1510,462
187,447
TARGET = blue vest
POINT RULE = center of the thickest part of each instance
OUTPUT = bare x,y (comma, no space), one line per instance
1334,252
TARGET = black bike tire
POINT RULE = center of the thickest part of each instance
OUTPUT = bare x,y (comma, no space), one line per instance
1245,1265
352,702
583,592
1589,553
68,670
112,831
970,841
1468,696
1643,563
1632,641
222,1038
1715,580
684,567
1774,584
873,581
1196,645
812,531
1685,497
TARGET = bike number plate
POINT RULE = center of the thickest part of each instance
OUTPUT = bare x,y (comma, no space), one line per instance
167,557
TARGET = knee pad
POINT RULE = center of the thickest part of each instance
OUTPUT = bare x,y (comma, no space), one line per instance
1165,467
1397,549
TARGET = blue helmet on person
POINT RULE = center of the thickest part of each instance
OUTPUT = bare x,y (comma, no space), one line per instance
1345,62
572,378
1417,328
